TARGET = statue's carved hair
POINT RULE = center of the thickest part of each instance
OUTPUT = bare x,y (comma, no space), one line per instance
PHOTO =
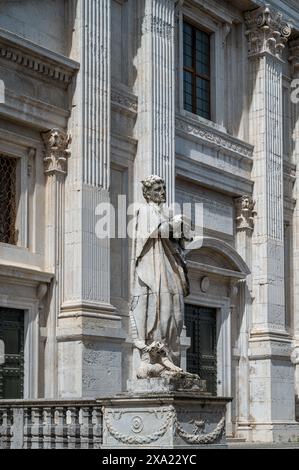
148,183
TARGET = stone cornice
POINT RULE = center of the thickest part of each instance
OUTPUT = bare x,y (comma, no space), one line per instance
267,31
213,137
124,101
36,60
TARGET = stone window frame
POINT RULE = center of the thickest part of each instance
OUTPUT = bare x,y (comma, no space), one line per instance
31,340
10,149
223,338
215,28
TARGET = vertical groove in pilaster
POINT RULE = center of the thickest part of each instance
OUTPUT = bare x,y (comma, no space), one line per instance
96,92
156,98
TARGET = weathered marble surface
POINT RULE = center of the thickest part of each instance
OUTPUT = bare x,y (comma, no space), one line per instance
159,284
169,420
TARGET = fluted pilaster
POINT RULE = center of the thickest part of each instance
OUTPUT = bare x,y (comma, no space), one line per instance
155,127
294,60
56,157
87,284
266,135
269,343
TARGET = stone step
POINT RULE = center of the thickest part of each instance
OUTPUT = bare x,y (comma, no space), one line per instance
235,440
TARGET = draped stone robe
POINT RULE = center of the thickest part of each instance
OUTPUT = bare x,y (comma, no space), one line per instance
159,283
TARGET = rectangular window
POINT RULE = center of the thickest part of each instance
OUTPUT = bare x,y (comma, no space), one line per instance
8,209
202,355
196,51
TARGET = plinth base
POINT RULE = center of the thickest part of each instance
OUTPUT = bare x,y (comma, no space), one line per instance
167,384
164,420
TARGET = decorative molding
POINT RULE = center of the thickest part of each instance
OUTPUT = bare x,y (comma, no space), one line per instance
215,137
124,102
245,213
138,439
201,438
171,418
56,151
267,31
37,60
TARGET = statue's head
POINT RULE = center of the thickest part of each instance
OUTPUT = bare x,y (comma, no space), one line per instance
154,189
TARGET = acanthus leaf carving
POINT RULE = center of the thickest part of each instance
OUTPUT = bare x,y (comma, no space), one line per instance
56,151
267,31
245,213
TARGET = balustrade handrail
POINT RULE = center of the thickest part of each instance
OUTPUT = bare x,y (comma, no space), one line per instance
51,423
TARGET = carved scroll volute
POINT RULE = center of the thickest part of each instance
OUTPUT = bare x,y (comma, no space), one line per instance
267,31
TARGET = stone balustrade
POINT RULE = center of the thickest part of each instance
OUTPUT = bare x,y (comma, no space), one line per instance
50,424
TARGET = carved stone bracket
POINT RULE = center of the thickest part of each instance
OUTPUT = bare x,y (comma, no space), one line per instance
56,151
267,31
245,213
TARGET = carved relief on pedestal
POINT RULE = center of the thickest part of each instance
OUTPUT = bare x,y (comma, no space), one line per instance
267,31
245,213
160,421
56,151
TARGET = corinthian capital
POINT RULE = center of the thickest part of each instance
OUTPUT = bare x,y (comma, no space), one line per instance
56,151
245,213
267,31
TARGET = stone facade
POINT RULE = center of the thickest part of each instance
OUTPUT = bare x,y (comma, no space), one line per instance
93,103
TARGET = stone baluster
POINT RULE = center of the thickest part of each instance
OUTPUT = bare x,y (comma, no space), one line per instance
98,428
155,87
60,428
48,431
37,427
7,423
73,429
27,428
269,343
86,428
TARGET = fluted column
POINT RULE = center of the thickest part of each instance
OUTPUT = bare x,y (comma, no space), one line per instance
271,371
88,323
155,64
294,60
245,214
55,163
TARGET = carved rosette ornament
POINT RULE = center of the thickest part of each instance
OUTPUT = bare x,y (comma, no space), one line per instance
267,31
56,151
245,213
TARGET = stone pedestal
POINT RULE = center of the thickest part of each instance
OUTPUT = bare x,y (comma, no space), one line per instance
167,384
173,419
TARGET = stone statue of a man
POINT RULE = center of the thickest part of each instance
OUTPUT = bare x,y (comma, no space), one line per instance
159,284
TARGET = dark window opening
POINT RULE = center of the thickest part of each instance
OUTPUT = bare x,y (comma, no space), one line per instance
8,209
202,355
12,362
196,50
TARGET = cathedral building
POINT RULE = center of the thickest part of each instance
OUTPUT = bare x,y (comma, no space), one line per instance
94,97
